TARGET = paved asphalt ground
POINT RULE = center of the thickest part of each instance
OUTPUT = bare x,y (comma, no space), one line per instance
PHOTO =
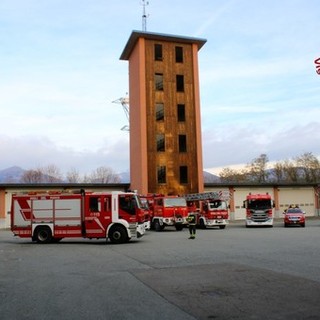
236,273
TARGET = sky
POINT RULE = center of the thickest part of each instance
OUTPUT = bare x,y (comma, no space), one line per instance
60,73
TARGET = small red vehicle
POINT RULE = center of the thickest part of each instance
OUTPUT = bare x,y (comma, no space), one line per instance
294,216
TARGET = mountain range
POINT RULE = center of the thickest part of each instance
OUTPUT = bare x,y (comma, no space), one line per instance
14,174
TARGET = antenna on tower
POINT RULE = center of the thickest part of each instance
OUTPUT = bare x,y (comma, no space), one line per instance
144,15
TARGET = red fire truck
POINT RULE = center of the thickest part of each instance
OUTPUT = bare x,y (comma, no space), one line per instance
259,209
212,208
51,216
167,211
147,212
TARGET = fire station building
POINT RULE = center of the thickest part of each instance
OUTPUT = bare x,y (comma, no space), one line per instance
306,196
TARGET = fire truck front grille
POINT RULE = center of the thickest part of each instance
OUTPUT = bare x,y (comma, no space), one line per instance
132,227
259,216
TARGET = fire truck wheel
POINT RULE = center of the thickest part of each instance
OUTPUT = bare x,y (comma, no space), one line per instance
118,234
222,227
157,225
43,235
179,227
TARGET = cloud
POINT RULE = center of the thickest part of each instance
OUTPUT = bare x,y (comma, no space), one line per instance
60,72
214,15
30,152
242,145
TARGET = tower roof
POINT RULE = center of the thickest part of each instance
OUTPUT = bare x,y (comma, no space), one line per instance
135,35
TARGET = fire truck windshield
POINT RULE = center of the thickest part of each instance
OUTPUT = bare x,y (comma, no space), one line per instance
129,203
144,203
175,202
139,202
259,204
218,204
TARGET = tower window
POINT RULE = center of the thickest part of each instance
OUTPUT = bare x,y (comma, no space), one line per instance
159,111
183,174
158,52
181,112
161,174
159,81
180,83
182,143
179,54
160,142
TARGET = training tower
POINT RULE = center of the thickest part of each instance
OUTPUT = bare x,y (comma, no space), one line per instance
165,126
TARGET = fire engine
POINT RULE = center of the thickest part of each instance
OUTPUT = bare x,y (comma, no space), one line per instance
167,211
212,208
147,212
51,216
259,210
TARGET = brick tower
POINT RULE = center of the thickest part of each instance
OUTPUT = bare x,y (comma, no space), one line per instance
165,126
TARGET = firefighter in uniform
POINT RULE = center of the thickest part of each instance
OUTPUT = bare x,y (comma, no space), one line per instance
192,220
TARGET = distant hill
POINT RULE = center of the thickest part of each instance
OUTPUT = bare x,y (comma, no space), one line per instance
14,174
124,177
210,178
11,175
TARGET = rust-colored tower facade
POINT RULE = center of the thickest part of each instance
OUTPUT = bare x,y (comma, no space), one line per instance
165,124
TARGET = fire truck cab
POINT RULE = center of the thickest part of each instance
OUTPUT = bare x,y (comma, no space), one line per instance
214,213
51,216
259,209
168,211
212,208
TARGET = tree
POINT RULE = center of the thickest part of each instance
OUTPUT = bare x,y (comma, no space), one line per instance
104,175
279,172
51,174
232,175
32,176
310,166
258,168
73,176
227,175
291,171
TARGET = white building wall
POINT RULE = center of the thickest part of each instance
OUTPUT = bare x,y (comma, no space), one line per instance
301,196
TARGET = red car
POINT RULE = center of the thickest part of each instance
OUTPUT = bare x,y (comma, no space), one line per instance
294,216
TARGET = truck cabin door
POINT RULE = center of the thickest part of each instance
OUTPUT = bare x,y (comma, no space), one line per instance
97,215
127,207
